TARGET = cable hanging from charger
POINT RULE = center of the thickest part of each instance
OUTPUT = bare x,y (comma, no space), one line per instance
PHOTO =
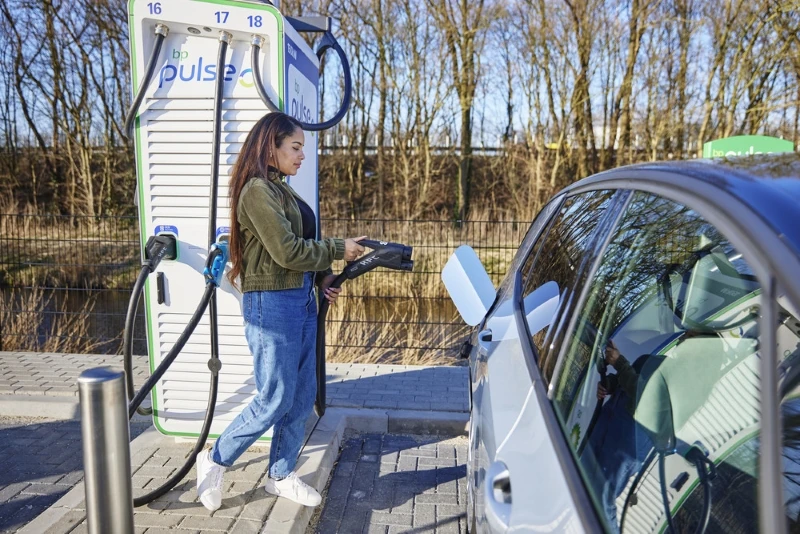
157,248
213,274
161,32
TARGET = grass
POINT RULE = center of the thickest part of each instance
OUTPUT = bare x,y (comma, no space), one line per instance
31,320
382,317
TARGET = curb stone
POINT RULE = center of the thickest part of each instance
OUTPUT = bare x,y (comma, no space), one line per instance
61,408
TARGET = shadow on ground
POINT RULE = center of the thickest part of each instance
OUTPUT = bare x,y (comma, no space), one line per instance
41,461
395,483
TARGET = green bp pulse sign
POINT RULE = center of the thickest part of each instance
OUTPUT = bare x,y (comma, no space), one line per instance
746,145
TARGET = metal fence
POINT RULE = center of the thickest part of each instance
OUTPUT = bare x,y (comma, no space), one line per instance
65,283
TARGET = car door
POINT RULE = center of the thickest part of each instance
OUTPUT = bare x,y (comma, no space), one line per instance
657,383
511,449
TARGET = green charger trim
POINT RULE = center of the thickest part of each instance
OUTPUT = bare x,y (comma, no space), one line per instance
189,434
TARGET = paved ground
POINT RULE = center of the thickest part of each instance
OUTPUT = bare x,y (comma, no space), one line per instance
56,375
40,461
386,483
402,387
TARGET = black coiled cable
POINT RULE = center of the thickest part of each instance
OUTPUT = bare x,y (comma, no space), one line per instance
662,475
173,352
127,337
328,41
631,492
324,304
700,462
255,65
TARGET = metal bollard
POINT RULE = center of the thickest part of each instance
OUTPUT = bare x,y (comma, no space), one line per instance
106,451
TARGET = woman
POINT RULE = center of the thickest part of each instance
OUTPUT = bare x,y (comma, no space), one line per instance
274,251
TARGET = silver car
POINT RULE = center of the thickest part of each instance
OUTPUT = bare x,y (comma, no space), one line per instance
638,369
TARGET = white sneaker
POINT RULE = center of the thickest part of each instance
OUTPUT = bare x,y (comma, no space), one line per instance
209,481
293,489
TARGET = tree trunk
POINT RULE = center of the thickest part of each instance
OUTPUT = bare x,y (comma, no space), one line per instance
464,164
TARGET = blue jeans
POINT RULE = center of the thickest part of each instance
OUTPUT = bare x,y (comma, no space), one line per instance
281,331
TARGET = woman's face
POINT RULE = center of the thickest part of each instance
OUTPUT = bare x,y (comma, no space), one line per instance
289,155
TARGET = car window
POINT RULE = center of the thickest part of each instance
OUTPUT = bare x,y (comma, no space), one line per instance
658,391
538,226
551,268
788,338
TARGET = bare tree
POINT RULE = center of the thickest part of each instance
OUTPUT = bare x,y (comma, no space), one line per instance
584,28
583,85
463,24
619,130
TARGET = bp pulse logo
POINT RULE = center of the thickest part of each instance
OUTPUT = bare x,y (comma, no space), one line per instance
302,97
246,78
298,107
201,70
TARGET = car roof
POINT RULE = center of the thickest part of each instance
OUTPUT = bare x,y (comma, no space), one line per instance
768,185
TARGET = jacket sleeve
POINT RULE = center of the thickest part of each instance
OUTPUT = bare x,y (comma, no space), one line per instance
264,215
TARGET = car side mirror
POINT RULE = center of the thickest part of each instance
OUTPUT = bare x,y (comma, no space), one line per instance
468,285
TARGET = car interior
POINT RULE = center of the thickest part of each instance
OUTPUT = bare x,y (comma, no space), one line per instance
684,414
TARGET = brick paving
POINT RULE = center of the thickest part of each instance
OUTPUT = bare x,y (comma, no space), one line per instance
392,484
56,375
400,387
245,504
40,461
420,488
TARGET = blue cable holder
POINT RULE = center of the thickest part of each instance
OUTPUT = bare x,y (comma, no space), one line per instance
218,256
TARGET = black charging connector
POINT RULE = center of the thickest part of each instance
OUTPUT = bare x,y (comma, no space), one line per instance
384,254
159,247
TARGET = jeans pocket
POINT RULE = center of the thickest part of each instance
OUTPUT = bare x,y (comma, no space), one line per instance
250,307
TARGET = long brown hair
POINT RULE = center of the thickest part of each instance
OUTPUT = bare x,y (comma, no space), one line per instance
255,157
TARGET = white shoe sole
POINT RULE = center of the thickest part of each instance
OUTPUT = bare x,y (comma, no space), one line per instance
270,488
211,504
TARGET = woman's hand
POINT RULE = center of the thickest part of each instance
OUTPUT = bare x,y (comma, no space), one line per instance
352,249
329,292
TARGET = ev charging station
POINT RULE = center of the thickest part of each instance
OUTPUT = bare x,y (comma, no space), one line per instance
178,42
206,72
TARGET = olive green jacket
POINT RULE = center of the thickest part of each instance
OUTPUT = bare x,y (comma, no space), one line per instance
274,255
